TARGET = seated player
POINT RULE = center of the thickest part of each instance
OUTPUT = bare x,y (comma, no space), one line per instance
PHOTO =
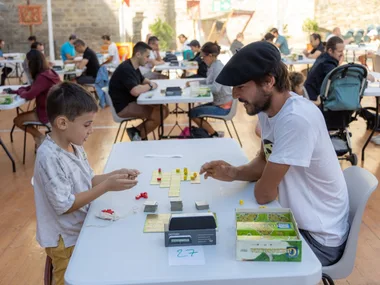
126,84
297,162
43,78
222,94
90,61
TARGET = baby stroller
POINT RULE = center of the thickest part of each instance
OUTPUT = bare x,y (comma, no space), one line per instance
341,93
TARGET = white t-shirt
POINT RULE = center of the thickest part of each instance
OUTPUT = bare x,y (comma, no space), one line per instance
186,45
112,51
314,187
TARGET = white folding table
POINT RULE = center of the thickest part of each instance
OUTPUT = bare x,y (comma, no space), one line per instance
157,97
373,90
120,253
15,105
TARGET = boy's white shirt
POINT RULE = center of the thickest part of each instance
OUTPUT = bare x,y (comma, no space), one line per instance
58,176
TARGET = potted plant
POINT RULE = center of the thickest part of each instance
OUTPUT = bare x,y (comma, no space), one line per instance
164,32
310,26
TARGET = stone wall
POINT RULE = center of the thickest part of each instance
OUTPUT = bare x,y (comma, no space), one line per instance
347,14
88,19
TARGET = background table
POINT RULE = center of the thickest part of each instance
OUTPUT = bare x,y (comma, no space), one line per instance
157,97
167,66
373,89
122,254
15,105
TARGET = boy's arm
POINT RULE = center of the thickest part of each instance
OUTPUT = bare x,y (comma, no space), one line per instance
132,174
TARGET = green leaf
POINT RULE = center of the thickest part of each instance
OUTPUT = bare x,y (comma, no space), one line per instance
164,32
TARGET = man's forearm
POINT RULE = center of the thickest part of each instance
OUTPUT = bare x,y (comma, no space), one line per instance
251,171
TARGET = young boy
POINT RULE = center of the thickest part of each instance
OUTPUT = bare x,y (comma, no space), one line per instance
64,183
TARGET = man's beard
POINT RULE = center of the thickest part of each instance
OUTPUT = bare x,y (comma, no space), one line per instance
255,108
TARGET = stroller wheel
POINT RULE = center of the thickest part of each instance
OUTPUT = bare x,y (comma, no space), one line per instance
353,159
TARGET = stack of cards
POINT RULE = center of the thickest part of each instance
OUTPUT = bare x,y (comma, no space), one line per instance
176,204
150,206
202,205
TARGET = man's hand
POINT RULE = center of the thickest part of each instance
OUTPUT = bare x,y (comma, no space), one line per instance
219,170
154,84
132,173
119,182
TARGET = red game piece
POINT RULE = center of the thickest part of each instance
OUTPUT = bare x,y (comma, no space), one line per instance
138,197
144,195
159,170
158,178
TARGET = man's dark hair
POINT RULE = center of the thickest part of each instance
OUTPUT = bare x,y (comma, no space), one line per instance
37,63
316,37
35,45
332,42
281,76
140,47
152,39
211,48
268,37
32,39
70,100
79,42
274,30
72,37
106,37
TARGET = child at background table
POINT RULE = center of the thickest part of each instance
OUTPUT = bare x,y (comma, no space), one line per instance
64,183
43,79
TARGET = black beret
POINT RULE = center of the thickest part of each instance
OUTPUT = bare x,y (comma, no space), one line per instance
254,60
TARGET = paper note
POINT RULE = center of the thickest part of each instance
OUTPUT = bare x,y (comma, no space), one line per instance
154,223
187,255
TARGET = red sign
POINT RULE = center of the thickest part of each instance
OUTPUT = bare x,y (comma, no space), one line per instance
30,14
126,2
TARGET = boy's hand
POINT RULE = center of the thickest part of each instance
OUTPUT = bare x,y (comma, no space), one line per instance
219,170
119,182
132,173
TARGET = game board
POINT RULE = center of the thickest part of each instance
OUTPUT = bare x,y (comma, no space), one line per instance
173,179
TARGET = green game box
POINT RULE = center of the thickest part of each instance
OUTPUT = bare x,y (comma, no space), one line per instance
268,234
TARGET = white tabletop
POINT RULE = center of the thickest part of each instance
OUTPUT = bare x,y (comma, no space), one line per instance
157,97
365,47
373,89
376,75
18,100
121,253
76,72
12,61
167,66
305,60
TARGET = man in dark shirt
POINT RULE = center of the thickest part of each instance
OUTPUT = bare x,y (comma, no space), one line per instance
237,43
126,84
202,67
318,48
90,61
323,65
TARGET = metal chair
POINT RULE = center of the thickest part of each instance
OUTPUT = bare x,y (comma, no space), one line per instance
118,119
31,124
228,117
360,183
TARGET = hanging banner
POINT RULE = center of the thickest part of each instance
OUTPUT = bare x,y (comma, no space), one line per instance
30,14
193,9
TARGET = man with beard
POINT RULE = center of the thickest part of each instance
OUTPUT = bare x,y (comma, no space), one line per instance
297,161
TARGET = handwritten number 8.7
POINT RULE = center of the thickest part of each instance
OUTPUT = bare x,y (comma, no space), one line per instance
186,253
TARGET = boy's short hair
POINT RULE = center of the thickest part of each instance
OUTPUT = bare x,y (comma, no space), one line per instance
32,38
70,100
296,78
106,37
153,39
140,47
